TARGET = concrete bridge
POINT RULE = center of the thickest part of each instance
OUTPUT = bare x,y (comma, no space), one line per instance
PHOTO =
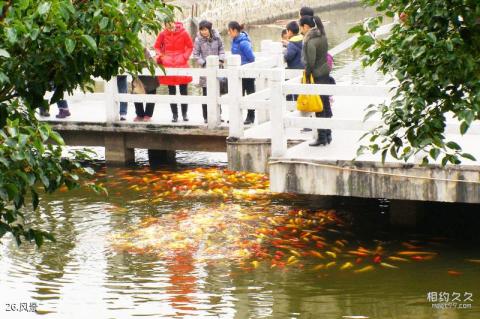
274,144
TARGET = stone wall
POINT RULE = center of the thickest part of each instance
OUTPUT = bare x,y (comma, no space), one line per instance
220,12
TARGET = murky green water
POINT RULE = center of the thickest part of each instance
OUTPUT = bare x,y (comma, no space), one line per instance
198,241
205,242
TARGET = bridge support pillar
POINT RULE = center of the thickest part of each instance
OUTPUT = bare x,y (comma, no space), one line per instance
160,157
116,151
405,213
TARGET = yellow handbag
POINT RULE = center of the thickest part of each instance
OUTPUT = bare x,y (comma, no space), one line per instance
309,103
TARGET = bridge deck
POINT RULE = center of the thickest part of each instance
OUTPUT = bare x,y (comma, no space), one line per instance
305,169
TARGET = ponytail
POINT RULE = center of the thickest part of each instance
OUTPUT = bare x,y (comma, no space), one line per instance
313,22
234,25
319,24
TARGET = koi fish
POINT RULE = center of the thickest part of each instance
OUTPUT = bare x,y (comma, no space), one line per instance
454,273
357,253
388,266
394,258
364,269
340,243
415,253
316,254
330,264
331,254
410,246
318,267
346,265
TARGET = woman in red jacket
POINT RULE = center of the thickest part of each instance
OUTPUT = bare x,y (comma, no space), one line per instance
174,47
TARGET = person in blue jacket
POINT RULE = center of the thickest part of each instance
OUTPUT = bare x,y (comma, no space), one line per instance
293,53
242,45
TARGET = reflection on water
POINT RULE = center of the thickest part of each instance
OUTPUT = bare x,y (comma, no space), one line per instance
207,242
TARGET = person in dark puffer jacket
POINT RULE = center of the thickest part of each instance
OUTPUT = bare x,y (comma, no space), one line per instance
242,45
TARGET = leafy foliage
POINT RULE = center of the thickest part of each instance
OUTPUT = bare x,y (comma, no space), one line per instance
434,54
57,45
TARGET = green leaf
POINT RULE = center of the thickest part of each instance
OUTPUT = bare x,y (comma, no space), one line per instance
44,8
464,127
44,131
4,53
11,35
70,45
57,138
104,23
45,180
356,29
35,199
89,41
38,236
468,156
434,152
454,146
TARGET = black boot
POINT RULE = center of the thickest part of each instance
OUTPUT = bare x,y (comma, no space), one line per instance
329,136
174,109
63,113
250,117
184,112
204,112
321,138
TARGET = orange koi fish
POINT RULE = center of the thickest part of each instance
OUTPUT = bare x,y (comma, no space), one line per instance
318,267
316,254
415,253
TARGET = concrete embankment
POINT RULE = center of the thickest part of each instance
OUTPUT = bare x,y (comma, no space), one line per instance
220,12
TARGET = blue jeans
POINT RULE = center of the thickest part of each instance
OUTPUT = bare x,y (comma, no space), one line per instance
62,104
122,88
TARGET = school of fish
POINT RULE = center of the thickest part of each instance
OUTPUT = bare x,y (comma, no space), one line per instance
240,221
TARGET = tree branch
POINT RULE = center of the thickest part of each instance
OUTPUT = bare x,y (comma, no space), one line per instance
5,10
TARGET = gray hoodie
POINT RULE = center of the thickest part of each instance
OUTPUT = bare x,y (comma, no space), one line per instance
205,47
314,54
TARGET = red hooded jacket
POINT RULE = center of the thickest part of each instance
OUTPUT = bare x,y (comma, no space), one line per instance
173,51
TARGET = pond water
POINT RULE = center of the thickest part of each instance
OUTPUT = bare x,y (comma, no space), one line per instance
197,240
207,242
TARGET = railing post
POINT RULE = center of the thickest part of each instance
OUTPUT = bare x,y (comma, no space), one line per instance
276,51
111,106
277,114
213,92
261,83
265,47
371,75
234,96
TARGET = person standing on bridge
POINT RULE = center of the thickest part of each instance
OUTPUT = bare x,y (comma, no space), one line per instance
293,51
306,11
242,45
208,42
314,55
174,47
